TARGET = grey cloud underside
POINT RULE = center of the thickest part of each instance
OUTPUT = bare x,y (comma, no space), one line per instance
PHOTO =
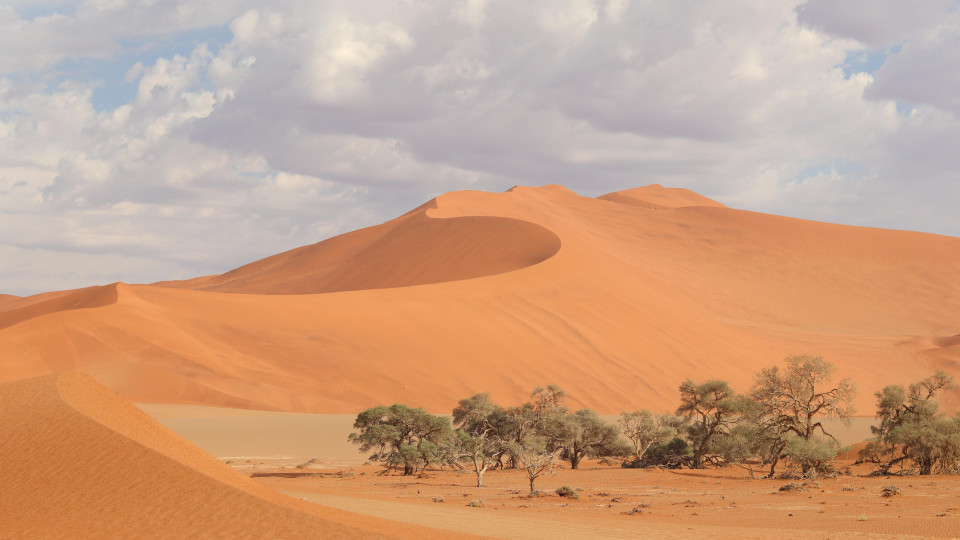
321,117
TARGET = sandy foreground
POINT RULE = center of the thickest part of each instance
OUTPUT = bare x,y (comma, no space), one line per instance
78,461
612,503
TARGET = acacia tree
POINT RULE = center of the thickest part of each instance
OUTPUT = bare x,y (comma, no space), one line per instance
741,445
713,408
586,435
913,430
790,405
644,429
478,421
401,435
541,416
538,430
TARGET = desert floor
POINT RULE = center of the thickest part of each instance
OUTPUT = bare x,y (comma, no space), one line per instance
612,502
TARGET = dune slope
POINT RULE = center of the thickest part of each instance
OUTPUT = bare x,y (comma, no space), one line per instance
411,250
615,300
77,461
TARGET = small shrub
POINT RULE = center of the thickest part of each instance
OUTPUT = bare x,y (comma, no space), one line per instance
308,463
476,503
863,517
438,499
567,491
792,486
890,491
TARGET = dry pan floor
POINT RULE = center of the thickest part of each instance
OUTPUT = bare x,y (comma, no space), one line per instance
618,503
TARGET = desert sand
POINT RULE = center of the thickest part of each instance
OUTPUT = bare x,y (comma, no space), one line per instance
78,461
612,502
618,503
616,299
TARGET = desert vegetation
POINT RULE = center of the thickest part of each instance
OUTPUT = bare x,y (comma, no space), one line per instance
776,426
913,435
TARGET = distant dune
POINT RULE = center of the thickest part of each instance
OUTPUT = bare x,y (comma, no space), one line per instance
617,299
77,461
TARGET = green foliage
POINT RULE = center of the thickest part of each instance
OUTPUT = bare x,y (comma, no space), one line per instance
741,445
644,429
913,434
713,407
812,456
539,431
585,435
670,454
483,430
402,436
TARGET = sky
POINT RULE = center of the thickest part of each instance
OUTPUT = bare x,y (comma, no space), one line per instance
144,140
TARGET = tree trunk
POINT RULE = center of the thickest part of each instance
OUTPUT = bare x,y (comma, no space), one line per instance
407,469
479,470
575,461
697,460
533,490
773,466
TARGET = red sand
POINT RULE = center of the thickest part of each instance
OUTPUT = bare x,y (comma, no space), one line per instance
616,299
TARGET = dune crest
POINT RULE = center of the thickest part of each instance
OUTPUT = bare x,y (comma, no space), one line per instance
22,309
414,249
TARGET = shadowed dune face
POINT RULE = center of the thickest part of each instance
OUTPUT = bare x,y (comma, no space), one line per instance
639,297
412,250
77,461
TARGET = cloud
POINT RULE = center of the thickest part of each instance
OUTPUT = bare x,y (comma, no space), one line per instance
273,125
874,23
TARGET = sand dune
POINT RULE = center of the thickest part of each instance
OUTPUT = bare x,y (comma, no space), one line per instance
22,309
616,299
77,461
657,197
411,250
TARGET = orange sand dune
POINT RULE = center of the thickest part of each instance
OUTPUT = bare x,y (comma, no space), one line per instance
77,461
615,301
22,309
658,197
411,250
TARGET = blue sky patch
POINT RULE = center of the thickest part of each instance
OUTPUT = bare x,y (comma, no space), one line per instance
843,167
45,8
867,61
107,75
